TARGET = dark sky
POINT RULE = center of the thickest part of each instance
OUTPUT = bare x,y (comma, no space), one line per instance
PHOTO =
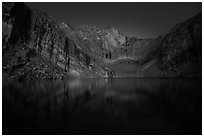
142,20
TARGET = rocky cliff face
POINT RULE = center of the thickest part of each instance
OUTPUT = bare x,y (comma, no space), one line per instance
51,40
33,38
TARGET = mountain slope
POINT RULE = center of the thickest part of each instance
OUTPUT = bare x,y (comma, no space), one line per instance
181,51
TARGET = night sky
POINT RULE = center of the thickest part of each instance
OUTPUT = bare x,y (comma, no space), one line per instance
143,20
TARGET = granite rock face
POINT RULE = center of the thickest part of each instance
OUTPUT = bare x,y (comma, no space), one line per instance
90,51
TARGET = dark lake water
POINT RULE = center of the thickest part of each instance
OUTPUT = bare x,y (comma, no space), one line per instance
103,106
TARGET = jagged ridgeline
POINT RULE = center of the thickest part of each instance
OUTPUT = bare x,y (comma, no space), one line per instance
37,45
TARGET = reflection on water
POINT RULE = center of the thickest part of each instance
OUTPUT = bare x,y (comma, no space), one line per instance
103,106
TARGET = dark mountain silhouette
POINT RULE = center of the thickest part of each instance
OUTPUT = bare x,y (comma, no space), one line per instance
37,45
